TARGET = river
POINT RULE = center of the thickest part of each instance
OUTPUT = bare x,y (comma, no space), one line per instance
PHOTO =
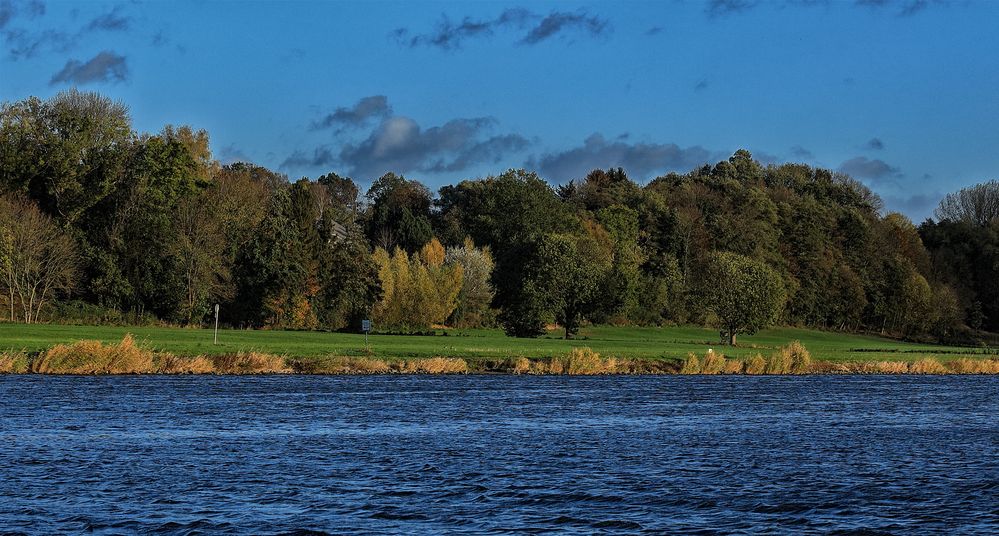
499,454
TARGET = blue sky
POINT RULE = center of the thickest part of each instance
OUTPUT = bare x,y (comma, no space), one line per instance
901,94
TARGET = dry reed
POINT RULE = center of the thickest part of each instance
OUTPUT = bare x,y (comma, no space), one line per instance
435,365
172,364
13,363
249,363
756,365
927,365
713,363
93,357
691,365
733,366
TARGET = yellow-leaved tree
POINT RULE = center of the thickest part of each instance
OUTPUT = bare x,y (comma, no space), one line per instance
417,293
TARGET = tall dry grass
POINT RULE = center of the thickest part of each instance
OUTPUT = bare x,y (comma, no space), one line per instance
927,365
756,365
713,363
249,363
341,365
435,365
13,363
974,366
167,363
734,366
93,357
579,361
691,365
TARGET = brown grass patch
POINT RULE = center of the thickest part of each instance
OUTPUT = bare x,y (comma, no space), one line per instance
965,365
93,357
13,363
691,365
341,365
172,364
927,365
793,358
249,363
521,365
733,366
713,363
435,365
756,365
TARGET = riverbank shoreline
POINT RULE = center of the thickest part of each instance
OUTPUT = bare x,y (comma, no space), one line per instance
127,358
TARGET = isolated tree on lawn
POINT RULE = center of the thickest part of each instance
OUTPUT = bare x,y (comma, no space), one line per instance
745,294
558,283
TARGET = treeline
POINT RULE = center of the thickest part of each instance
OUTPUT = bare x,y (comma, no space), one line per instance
99,223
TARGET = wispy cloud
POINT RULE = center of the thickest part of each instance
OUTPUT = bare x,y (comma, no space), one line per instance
358,115
874,144
801,153
873,169
534,28
109,22
400,144
558,22
10,9
720,8
106,66
640,159
28,42
901,8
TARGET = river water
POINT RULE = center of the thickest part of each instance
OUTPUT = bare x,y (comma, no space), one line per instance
499,454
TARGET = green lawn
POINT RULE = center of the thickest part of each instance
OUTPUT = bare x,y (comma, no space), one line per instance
627,342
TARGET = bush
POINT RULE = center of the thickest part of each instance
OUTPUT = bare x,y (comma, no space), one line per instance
93,357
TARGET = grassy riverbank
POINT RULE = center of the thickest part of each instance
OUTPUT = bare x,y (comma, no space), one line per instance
57,349
620,342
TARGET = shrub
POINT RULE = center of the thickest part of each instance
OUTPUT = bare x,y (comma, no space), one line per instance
93,357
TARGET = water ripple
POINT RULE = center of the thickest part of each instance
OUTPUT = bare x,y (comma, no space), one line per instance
499,454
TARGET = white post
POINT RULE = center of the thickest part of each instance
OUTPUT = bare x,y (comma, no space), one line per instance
216,324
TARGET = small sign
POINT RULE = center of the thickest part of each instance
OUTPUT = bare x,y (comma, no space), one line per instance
365,325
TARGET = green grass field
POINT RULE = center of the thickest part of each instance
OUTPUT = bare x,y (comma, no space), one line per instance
622,342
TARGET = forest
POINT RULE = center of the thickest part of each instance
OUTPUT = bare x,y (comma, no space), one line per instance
100,224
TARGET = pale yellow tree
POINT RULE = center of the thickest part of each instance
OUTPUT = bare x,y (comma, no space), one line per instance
37,259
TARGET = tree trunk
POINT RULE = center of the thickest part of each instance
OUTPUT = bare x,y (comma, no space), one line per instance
731,337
